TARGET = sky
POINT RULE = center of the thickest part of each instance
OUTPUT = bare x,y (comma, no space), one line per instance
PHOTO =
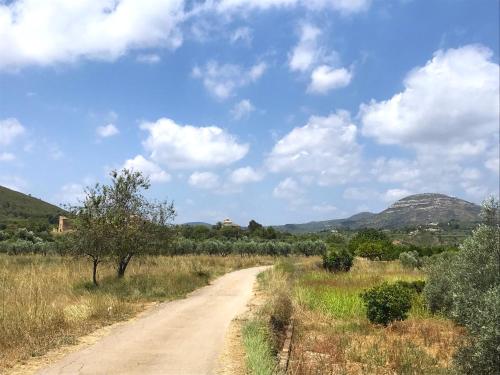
282,111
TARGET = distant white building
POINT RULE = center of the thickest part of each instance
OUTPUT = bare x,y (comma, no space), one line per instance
229,223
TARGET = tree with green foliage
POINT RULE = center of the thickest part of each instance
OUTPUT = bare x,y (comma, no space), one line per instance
386,303
372,244
465,286
253,226
337,258
91,222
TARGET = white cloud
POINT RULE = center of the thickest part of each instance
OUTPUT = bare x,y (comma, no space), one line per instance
6,156
148,168
493,164
395,170
47,32
325,147
449,107
306,52
186,146
243,34
222,80
245,175
10,129
342,6
393,195
242,109
106,131
150,58
325,78
204,180
288,189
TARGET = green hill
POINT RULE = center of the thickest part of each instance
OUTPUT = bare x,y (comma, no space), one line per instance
21,209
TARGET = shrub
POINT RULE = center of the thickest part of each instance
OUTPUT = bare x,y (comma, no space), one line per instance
337,259
386,303
410,259
416,286
370,250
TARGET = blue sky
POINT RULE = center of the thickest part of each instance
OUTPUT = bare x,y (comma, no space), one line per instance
277,110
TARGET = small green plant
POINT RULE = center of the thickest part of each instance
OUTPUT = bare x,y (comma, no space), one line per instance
337,259
386,303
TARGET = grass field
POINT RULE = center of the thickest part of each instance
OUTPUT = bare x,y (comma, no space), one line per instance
46,302
333,335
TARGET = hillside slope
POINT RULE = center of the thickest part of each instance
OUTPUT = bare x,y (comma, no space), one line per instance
411,211
19,207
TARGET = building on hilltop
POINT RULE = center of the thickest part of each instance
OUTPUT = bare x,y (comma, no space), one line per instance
229,223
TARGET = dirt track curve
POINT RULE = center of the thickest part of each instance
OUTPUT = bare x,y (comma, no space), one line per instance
183,337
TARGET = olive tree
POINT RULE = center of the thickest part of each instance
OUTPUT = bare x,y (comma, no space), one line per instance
465,286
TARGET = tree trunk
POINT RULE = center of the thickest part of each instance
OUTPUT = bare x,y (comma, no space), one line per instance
122,265
95,262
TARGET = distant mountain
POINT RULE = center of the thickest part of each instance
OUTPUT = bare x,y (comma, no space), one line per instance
414,210
19,207
197,223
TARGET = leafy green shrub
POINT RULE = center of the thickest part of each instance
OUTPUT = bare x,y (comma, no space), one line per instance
410,259
386,303
337,259
416,286
370,250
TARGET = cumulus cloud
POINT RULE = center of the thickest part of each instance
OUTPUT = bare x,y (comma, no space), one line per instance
288,189
187,146
10,129
148,168
326,78
326,147
245,175
106,131
222,80
242,109
393,195
306,52
43,33
450,105
204,180
342,6
448,114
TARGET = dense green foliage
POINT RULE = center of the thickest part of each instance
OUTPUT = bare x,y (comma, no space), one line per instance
337,257
386,303
465,286
410,259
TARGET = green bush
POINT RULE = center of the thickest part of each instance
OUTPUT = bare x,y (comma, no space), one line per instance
370,250
337,259
410,259
386,303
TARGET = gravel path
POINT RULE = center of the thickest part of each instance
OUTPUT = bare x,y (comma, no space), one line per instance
183,337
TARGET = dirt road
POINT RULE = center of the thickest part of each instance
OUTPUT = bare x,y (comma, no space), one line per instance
183,337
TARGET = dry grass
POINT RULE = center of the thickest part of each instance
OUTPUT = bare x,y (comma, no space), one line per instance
333,335
48,301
